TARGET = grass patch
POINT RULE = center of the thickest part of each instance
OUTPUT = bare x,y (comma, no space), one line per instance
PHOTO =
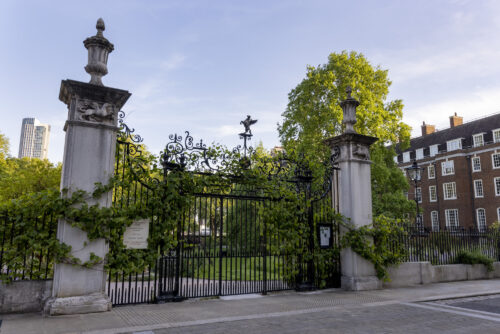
249,268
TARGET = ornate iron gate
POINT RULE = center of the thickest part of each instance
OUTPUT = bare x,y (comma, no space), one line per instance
222,243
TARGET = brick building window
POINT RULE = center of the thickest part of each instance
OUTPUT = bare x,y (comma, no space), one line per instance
497,186
431,172
455,144
419,153
448,168
496,136
476,164
481,219
478,188
451,218
433,150
406,156
450,190
495,160
432,194
435,221
478,140
419,195
498,214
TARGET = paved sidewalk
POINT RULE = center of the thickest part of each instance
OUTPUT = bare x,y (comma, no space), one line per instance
404,310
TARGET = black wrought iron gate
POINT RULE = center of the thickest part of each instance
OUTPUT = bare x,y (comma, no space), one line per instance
223,245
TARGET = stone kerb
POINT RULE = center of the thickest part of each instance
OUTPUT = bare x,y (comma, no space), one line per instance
89,154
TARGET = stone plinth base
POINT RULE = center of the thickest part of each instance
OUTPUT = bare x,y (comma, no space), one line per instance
95,302
360,283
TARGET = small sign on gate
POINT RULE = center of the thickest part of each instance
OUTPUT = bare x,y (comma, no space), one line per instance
136,235
325,232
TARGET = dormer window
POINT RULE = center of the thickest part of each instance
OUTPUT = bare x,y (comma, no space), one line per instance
406,156
455,144
496,136
433,150
419,153
478,140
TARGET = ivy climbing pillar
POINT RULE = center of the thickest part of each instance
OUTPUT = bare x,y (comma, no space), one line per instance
89,155
354,194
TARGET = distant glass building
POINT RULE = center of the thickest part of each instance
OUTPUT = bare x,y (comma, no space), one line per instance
34,139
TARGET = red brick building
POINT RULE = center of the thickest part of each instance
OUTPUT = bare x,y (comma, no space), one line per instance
460,185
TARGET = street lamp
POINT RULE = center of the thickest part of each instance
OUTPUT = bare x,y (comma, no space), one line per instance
415,174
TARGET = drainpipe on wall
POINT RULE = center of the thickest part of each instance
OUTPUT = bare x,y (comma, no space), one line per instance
437,196
471,185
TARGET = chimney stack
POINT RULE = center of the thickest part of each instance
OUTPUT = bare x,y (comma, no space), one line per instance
427,129
456,120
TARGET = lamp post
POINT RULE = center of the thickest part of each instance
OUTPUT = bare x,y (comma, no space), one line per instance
415,174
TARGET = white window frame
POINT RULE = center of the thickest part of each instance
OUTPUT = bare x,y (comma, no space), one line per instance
453,145
478,189
432,198
430,175
435,221
474,165
478,139
448,167
481,219
433,150
498,214
419,154
496,183
493,156
496,135
448,214
406,156
417,193
453,189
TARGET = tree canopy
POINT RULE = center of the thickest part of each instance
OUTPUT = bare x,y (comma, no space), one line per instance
19,177
313,114
4,146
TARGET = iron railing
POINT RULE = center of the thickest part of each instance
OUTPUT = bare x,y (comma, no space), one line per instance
442,247
19,261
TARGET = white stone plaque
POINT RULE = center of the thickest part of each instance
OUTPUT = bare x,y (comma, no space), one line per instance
136,235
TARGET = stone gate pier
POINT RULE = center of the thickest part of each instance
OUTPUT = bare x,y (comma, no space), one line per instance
89,155
355,195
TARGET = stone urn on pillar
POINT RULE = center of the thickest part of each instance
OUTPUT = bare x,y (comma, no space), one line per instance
89,157
355,196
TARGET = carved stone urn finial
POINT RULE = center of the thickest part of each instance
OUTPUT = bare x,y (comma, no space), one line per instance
99,48
100,26
349,106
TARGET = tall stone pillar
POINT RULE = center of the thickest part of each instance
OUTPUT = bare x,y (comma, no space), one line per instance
355,196
89,154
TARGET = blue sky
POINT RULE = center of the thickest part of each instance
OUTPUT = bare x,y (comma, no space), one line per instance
204,65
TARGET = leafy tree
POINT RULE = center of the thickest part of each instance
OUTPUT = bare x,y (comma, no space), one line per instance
19,177
24,176
314,114
4,146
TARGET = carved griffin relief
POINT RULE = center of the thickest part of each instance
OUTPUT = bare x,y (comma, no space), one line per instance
94,112
361,152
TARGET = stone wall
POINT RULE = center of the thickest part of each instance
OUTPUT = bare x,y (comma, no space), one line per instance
413,273
24,296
